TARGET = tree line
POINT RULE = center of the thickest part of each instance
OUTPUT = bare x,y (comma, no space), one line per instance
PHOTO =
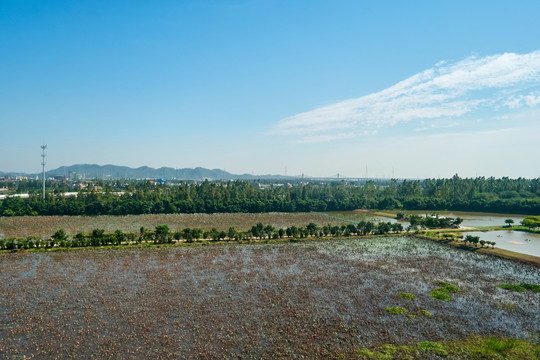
163,235
132,198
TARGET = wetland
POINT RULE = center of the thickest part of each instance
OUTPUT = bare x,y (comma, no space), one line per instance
326,298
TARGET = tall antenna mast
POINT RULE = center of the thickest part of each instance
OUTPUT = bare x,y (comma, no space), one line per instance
43,147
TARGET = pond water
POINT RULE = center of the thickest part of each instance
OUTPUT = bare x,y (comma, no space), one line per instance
470,219
476,219
518,241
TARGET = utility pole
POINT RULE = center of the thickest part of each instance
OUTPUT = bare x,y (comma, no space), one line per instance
43,147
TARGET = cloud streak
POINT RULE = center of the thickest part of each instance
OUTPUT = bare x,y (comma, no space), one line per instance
444,93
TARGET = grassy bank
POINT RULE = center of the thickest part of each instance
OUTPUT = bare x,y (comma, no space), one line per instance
476,347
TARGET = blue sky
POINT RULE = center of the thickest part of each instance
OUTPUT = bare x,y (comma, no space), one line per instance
415,89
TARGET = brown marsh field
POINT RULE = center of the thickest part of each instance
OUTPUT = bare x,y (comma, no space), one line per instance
45,226
313,299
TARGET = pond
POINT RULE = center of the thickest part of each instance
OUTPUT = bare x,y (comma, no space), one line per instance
475,219
518,241
470,219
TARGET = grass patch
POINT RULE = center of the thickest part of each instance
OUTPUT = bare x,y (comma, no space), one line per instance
520,287
441,293
387,351
424,313
406,296
508,306
451,288
475,347
501,348
396,310
433,347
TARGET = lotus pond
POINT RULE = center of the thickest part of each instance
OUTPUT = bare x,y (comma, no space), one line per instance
278,300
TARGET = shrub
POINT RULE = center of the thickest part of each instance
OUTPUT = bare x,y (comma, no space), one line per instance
60,236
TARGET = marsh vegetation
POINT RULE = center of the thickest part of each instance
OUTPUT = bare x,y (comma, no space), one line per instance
276,300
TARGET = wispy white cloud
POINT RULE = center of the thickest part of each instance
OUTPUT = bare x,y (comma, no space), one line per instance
447,91
519,101
436,126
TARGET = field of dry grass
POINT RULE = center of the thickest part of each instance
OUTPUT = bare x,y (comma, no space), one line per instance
324,299
45,226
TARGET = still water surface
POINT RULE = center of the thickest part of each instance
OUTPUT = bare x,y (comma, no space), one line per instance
476,219
518,241
470,219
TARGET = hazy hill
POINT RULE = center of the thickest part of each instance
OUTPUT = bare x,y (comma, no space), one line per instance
90,171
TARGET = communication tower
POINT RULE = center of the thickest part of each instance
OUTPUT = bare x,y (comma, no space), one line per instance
43,155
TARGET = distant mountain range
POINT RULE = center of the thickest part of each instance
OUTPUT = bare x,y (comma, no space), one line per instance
91,171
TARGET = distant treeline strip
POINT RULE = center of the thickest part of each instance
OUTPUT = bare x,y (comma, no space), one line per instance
478,194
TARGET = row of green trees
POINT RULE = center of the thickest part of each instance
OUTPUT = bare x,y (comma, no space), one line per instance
430,221
475,240
162,235
479,194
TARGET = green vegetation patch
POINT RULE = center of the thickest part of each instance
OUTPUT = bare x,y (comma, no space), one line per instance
424,313
396,310
406,296
433,347
387,351
502,348
441,293
451,288
520,287
475,347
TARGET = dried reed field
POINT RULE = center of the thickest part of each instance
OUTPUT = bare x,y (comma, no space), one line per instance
45,226
319,299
